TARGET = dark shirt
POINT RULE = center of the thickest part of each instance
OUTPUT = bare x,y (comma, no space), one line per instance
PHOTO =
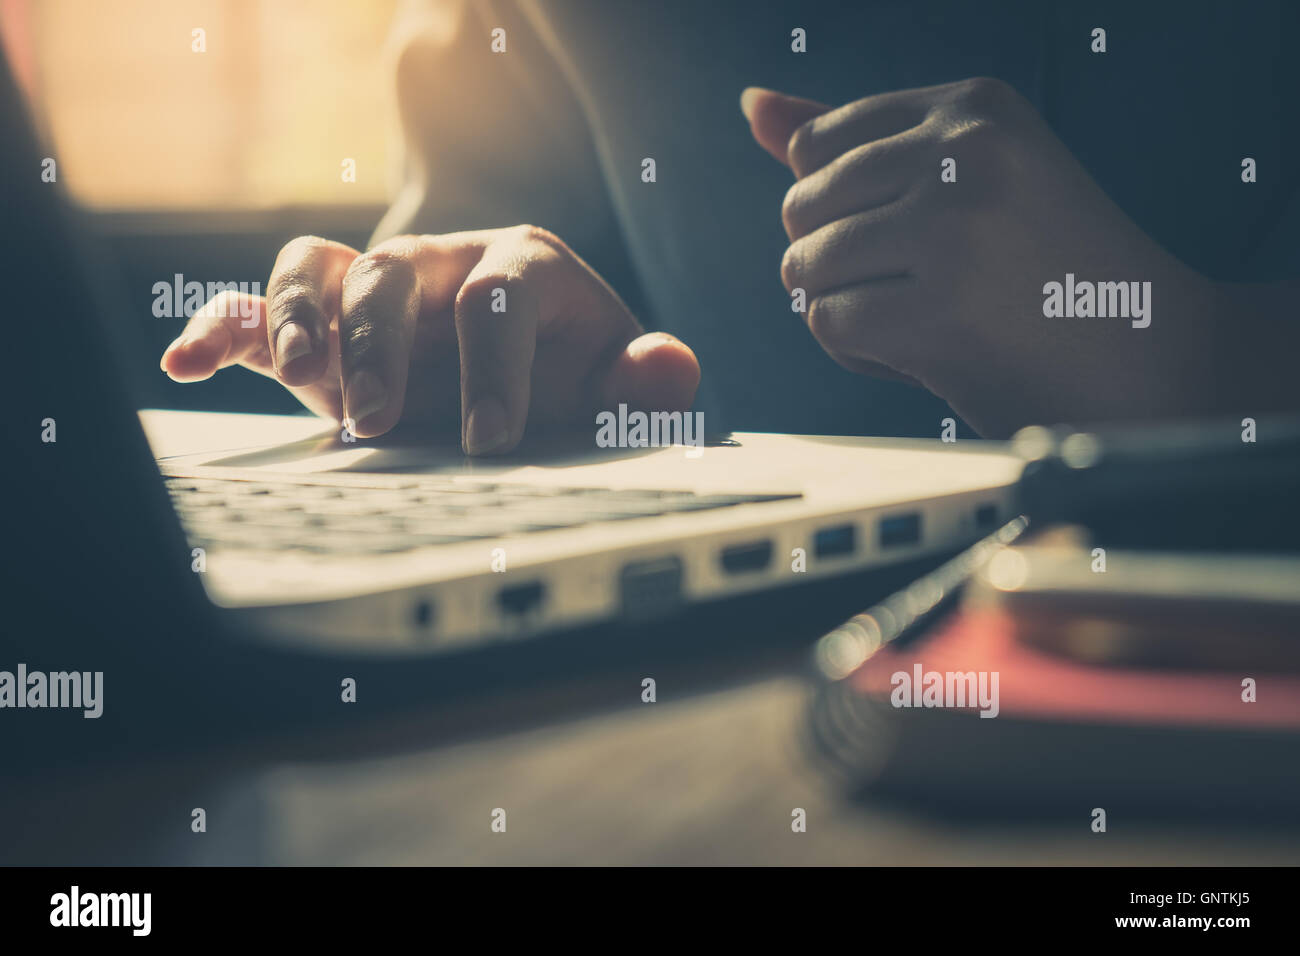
554,131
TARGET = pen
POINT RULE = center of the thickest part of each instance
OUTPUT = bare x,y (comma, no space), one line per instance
903,615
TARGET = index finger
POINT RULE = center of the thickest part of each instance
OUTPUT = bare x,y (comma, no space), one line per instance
823,138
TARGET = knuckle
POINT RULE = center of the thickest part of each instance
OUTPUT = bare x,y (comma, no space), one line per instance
542,246
387,262
532,238
293,256
476,295
988,96
795,210
799,148
406,245
302,245
792,266
975,134
531,233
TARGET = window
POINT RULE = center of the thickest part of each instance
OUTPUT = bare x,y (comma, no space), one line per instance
260,109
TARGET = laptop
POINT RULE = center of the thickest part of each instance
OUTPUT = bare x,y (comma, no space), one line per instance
403,547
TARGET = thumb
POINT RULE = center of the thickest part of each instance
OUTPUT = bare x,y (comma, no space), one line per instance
773,117
656,372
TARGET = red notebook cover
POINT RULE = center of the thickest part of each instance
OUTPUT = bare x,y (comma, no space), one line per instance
1034,684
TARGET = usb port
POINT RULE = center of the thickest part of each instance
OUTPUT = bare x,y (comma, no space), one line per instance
986,517
651,588
900,529
521,599
835,541
742,558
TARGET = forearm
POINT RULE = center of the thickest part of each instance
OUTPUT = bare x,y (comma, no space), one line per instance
490,139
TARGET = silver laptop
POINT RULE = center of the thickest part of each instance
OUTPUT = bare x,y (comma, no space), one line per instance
400,546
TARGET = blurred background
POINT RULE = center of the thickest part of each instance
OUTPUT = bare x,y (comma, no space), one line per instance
206,163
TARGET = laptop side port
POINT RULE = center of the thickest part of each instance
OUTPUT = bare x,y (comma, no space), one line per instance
986,517
747,558
649,589
901,529
520,600
835,541
424,616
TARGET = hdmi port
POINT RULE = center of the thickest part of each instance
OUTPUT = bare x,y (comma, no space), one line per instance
742,558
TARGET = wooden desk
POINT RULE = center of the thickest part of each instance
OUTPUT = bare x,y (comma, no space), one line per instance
706,778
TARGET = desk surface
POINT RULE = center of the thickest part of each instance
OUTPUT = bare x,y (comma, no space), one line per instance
710,779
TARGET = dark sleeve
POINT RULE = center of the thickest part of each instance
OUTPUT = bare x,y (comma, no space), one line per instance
489,139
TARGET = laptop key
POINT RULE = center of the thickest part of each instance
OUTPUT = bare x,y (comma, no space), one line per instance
371,516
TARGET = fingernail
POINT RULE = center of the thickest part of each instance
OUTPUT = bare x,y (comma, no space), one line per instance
486,429
649,342
365,395
291,342
748,97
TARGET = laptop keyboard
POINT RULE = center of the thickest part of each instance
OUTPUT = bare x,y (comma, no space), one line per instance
389,518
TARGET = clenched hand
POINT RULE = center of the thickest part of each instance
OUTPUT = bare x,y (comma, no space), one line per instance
942,281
